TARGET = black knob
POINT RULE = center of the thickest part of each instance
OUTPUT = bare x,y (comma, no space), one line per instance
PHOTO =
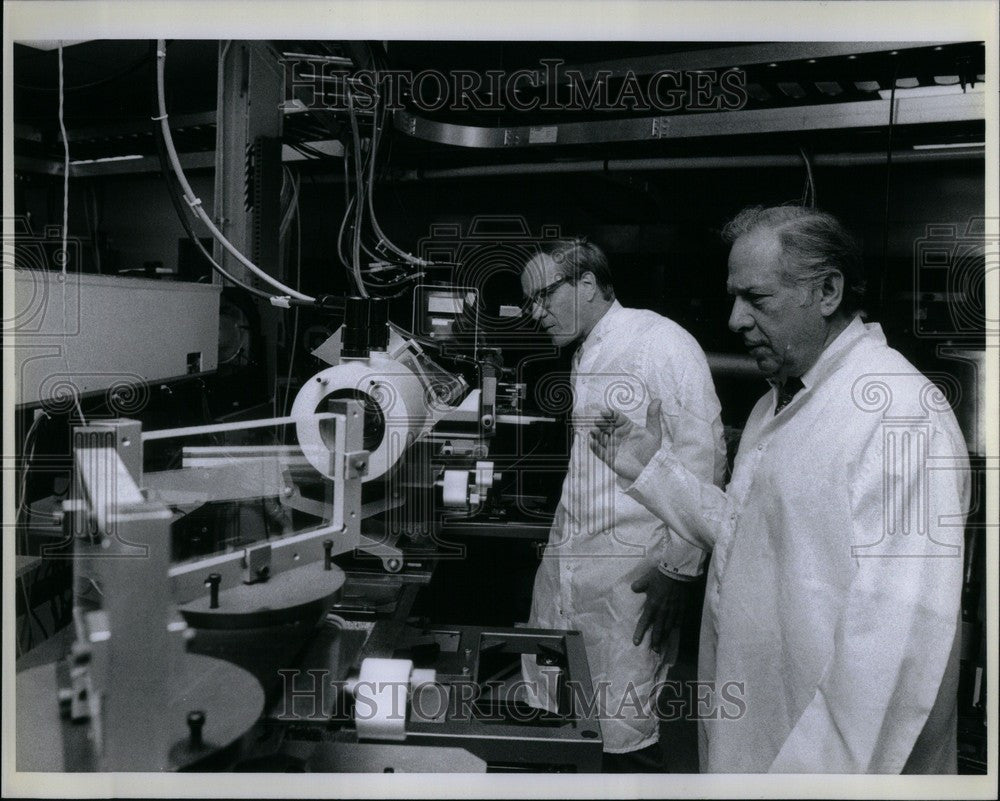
214,580
196,721
328,554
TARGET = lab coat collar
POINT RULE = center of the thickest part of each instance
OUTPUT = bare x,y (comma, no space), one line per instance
602,328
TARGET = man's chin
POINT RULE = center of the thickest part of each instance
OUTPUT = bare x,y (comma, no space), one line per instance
768,367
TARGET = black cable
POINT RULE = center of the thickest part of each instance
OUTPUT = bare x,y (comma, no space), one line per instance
359,165
810,195
888,187
93,84
30,610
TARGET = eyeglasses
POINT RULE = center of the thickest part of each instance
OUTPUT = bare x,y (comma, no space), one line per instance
541,296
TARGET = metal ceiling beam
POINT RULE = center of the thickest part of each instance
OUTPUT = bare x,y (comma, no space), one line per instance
93,169
120,130
737,56
950,107
772,161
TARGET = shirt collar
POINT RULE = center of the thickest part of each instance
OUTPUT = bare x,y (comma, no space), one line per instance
831,354
602,327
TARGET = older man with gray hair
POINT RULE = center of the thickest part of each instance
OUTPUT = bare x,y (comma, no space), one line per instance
834,588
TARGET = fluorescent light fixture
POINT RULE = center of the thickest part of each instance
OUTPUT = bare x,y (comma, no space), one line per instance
104,160
949,145
51,44
930,91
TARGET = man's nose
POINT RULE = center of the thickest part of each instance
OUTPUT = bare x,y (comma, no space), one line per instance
739,317
536,310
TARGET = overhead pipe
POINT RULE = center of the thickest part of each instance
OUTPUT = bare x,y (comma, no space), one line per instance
692,163
733,365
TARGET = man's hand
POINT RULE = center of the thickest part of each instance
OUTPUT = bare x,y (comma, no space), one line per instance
624,446
663,610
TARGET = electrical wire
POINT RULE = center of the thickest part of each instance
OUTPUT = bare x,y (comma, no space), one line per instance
362,202
65,229
408,257
182,215
809,194
130,68
359,213
193,200
360,169
888,187
30,610
293,202
65,138
28,449
96,228
295,314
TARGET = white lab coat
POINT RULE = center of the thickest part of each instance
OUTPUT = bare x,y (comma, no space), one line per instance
601,540
835,585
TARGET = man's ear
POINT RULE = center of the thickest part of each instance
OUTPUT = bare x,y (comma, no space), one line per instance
831,293
589,283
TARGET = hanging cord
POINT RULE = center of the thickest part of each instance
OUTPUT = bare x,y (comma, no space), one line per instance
295,314
888,189
809,193
65,233
182,215
130,68
192,200
28,451
379,123
359,205
65,204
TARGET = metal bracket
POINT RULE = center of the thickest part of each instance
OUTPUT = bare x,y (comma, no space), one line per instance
356,464
257,563
406,122
391,556
661,127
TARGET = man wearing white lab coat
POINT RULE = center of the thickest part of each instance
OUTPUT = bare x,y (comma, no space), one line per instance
834,590
609,560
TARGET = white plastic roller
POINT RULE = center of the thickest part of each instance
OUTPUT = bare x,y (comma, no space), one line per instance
381,695
398,392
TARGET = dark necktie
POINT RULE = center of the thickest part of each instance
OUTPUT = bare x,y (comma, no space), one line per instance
787,391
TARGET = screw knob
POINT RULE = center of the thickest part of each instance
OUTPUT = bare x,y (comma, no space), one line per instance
196,722
328,554
213,582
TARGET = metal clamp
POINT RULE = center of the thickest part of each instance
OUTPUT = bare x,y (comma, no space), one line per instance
356,464
257,563
660,128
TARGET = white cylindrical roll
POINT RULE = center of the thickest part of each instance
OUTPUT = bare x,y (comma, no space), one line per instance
455,488
396,390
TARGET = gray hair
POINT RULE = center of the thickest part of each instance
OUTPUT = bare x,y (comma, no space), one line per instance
577,256
814,244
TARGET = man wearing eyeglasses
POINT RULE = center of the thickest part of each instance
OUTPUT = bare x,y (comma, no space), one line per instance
609,561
